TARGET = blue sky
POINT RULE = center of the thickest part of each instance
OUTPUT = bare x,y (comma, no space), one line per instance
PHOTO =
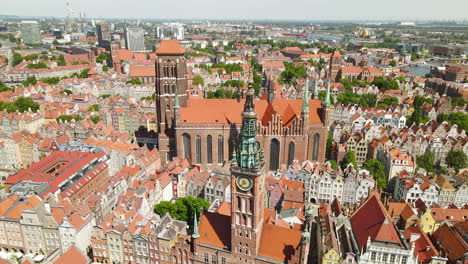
407,10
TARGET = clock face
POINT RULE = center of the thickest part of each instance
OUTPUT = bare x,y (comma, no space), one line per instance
244,183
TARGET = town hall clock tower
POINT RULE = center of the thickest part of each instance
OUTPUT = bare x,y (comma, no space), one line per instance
247,187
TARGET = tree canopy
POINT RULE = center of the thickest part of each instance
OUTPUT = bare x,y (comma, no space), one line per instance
456,159
455,118
22,104
292,72
134,81
68,118
182,209
198,80
376,169
350,157
426,161
385,84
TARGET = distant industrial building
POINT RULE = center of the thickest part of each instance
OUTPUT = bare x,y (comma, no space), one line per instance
31,32
104,35
135,38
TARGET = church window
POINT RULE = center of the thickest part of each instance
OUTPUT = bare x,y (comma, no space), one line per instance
187,146
316,147
209,149
291,153
198,150
220,149
274,154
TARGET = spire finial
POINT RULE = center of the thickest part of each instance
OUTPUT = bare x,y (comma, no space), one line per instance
305,103
195,233
316,87
327,96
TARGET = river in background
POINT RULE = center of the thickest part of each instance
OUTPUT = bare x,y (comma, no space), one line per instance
422,69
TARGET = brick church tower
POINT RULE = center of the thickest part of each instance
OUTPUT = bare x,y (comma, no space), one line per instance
247,187
171,79
335,66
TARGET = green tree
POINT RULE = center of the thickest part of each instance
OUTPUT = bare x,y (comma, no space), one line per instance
50,80
105,68
95,119
39,65
426,161
346,84
323,94
134,81
386,84
17,59
348,98
61,60
388,101
94,107
368,100
4,87
376,169
182,209
456,159
198,80
418,101
103,56
29,81
66,91
329,145
292,72
333,164
350,157
23,104
458,101
69,118
393,63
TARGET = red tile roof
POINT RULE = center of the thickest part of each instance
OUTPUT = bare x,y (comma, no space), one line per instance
371,220
229,111
142,70
215,229
279,243
72,255
168,47
423,247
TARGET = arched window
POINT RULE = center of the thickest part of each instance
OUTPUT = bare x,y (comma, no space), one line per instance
239,203
274,154
220,149
291,150
316,147
187,146
198,149
209,149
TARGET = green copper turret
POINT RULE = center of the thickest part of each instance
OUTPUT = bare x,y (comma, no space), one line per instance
247,154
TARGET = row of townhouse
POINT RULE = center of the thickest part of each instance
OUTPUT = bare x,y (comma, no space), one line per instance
133,238
371,234
32,225
12,123
442,190
323,184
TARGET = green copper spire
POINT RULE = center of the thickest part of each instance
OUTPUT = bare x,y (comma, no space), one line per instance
316,92
195,233
327,96
247,153
305,103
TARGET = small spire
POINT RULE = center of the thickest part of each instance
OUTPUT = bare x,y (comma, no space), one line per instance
316,92
195,227
327,96
305,103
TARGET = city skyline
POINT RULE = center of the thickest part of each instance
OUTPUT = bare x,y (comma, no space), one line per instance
363,10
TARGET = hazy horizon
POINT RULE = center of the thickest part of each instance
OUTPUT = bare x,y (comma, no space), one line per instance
298,10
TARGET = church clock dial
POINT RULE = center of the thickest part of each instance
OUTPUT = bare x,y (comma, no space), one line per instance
244,183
